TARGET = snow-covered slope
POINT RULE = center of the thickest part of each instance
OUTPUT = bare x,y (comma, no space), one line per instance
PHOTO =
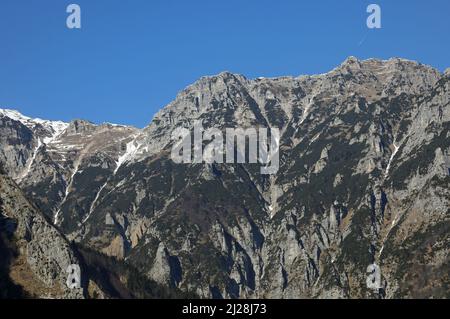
54,127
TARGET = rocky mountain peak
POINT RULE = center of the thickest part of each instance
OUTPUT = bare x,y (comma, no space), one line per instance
351,62
80,126
225,76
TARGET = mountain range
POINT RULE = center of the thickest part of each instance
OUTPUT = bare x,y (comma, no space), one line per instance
363,179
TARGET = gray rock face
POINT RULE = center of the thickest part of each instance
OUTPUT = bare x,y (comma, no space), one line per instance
46,251
363,179
165,268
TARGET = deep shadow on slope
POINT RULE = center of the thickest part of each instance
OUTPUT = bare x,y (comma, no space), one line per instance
8,252
118,279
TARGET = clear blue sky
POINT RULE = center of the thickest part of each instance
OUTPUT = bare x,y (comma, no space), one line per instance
132,57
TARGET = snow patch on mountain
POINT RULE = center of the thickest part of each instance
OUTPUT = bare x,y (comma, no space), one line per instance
131,151
54,127
30,161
